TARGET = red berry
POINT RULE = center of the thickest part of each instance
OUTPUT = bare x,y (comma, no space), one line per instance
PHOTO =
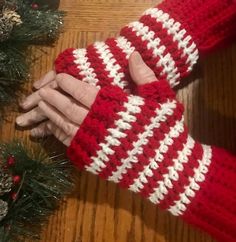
14,196
16,179
34,6
11,160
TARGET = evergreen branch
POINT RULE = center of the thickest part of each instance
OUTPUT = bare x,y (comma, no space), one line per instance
44,182
40,26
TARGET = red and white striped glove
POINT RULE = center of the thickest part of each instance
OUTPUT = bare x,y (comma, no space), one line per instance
140,142
169,37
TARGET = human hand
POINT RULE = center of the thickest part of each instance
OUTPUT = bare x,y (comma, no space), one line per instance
48,80
141,143
66,112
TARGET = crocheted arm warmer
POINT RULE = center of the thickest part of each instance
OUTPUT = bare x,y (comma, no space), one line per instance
141,143
169,37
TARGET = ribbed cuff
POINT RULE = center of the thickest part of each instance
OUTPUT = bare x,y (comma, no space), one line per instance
157,90
211,23
96,125
214,207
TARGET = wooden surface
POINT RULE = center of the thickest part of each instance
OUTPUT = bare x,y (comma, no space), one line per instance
99,211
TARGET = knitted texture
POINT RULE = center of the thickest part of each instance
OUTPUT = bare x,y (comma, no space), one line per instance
141,143
169,37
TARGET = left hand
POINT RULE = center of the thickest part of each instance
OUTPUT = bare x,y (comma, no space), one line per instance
64,112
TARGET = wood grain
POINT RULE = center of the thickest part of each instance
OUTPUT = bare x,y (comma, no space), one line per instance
99,211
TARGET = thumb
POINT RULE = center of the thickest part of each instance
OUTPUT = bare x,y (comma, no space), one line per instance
143,75
139,71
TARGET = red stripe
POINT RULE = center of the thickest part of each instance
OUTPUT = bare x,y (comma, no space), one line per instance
98,66
120,152
167,40
120,58
183,181
162,169
149,149
166,8
65,63
147,55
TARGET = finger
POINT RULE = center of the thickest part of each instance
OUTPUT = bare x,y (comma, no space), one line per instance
41,131
64,104
33,99
59,134
81,91
58,119
49,77
140,72
36,115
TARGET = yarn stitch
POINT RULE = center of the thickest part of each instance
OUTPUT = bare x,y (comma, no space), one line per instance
169,37
141,143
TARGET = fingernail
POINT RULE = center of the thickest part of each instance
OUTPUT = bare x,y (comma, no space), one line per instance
19,120
37,84
24,103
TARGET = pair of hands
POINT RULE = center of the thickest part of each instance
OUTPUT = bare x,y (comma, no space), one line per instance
60,103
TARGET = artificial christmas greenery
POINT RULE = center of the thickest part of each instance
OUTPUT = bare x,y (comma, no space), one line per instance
31,185
23,23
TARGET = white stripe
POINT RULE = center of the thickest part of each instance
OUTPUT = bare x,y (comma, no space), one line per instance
125,46
138,184
175,29
166,61
199,176
162,189
124,123
162,113
81,60
111,64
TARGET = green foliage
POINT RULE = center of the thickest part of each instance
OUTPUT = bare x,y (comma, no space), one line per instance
43,182
40,26
13,70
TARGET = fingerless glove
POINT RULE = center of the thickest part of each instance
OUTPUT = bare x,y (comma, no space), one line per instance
141,142
169,37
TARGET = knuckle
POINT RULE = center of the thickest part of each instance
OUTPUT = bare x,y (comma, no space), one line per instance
68,129
61,136
61,77
41,104
81,95
71,110
52,85
64,139
60,123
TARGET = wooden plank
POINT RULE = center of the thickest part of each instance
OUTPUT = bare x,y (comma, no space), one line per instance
99,211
